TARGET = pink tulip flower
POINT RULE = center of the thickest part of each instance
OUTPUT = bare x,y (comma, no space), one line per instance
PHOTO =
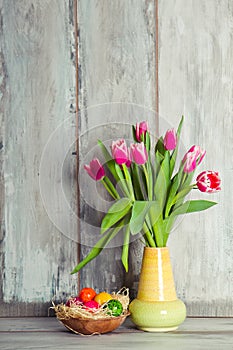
129,161
141,129
193,158
208,181
95,170
138,153
170,140
120,152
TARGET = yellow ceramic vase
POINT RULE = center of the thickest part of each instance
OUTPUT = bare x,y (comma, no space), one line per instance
156,308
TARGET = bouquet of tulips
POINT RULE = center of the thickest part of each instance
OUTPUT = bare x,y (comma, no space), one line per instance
148,194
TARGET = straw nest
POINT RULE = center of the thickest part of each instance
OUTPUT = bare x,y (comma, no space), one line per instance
64,312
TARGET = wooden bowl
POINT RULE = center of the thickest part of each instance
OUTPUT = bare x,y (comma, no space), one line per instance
89,326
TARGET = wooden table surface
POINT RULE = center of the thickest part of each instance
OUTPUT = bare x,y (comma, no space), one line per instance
48,333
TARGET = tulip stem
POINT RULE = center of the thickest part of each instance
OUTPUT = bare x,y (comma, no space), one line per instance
122,182
148,236
110,187
150,179
128,181
181,194
149,192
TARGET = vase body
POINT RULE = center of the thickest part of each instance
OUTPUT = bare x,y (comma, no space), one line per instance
156,308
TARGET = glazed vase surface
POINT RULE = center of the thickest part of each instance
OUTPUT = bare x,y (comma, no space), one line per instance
157,308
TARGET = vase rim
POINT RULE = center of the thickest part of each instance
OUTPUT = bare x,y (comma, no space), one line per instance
158,248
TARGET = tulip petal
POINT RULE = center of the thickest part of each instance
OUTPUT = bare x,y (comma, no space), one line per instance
95,170
193,158
170,140
139,153
141,129
208,181
120,151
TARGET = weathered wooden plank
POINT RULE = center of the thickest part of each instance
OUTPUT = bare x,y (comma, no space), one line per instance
37,90
198,325
34,333
3,93
117,88
195,79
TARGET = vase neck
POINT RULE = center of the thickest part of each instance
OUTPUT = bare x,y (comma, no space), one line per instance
156,279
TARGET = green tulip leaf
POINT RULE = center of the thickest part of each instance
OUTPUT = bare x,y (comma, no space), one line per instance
160,146
155,214
175,184
128,181
172,193
122,181
147,143
136,182
163,181
125,248
96,250
188,180
193,206
158,159
187,207
181,195
180,126
116,212
139,211
150,180
134,133
110,162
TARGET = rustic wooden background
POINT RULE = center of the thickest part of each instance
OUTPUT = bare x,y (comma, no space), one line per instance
135,59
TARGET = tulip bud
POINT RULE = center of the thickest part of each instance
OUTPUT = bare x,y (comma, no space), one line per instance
170,140
193,158
141,129
208,181
95,170
138,153
120,152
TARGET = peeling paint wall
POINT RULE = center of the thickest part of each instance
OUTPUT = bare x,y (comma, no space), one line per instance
118,65
195,76
37,89
117,88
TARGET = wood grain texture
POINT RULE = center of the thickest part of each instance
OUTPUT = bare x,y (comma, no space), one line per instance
3,96
48,333
117,88
117,73
37,90
195,79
